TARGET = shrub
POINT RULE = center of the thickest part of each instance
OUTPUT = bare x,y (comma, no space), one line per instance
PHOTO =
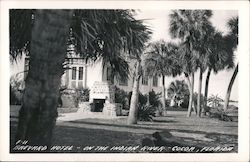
185,102
178,92
146,112
122,97
82,94
72,97
16,90
142,99
214,101
220,114
155,98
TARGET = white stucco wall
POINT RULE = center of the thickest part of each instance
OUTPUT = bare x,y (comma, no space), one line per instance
95,72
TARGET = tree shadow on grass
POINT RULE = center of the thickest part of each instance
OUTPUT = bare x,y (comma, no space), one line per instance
216,139
164,121
144,125
206,139
81,137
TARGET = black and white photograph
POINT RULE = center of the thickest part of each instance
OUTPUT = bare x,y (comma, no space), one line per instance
133,81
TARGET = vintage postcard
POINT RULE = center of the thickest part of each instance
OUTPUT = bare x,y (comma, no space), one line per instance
124,81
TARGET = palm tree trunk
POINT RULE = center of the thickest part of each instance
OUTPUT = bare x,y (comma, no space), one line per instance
37,116
191,91
133,111
230,88
163,96
206,87
199,94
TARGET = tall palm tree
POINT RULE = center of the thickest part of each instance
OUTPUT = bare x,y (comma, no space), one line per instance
38,113
188,67
161,61
193,28
118,33
139,43
219,58
231,42
177,91
98,34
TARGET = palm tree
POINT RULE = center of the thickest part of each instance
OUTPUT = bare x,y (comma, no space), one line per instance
98,34
139,44
161,61
193,28
177,91
219,58
38,113
188,67
231,42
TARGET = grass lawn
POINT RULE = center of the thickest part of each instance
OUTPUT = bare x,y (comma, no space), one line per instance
200,132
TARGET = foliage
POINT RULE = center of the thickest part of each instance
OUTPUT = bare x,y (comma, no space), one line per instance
95,33
216,109
220,114
121,97
21,23
109,34
178,91
16,90
146,112
154,99
232,43
193,28
124,98
160,54
142,99
214,101
81,95
15,98
72,97
232,37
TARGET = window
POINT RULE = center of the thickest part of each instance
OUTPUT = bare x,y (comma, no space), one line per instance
155,81
123,82
74,73
144,80
80,76
76,77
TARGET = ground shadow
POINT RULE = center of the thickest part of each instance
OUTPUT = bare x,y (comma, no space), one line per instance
81,137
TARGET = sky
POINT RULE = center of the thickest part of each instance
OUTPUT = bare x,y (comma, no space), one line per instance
158,21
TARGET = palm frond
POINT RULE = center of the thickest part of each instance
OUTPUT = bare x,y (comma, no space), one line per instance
110,34
20,24
161,60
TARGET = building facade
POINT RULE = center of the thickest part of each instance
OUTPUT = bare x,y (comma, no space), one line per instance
80,73
98,78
